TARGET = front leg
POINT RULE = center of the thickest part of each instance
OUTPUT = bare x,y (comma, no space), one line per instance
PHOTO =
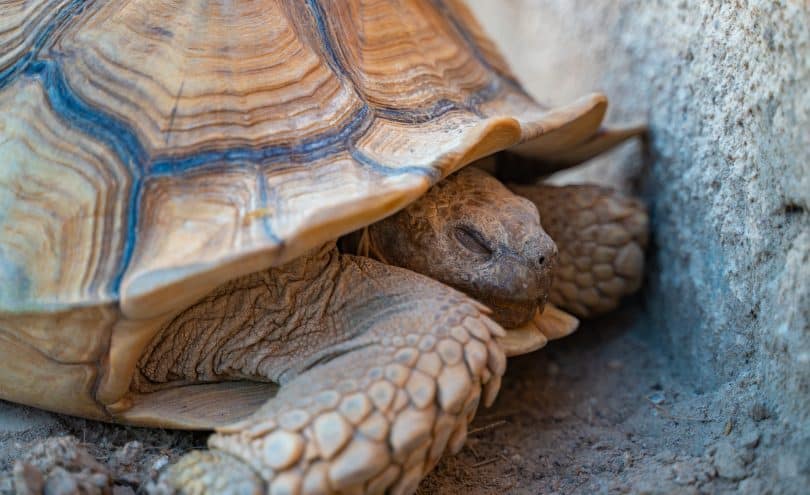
372,413
601,236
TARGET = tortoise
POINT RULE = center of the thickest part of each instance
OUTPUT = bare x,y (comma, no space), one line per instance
174,179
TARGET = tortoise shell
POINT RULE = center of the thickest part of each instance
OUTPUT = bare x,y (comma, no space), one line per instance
152,150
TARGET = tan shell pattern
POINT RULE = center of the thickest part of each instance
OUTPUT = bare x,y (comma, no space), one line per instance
151,150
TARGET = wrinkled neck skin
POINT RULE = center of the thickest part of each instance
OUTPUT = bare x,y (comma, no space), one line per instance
471,233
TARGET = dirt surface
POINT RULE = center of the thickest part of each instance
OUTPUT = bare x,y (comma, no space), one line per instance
603,411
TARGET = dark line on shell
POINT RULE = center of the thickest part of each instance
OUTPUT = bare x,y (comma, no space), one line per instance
87,118
113,133
408,116
443,107
9,74
469,40
123,140
429,172
326,40
314,148
268,229
133,214
439,108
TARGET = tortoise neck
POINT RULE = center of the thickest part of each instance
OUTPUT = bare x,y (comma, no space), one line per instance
256,326
362,243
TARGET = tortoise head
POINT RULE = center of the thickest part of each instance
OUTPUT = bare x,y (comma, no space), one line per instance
472,233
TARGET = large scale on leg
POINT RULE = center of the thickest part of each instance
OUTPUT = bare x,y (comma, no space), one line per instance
173,176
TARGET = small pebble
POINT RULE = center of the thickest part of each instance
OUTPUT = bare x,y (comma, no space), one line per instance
760,412
728,461
684,473
60,482
750,439
747,455
752,486
129,453
657,398
627,458
160,463
28,478
666,456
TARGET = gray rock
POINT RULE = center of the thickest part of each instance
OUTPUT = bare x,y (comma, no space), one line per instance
128,454
28,480
684,473
60,482
750,439
723,87
64,465
728,461
657,398
753,486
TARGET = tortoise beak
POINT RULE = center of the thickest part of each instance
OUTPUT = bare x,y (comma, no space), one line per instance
550,325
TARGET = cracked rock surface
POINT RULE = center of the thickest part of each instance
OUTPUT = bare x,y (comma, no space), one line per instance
724,89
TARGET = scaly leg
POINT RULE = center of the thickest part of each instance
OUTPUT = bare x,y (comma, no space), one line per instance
368,413
601,236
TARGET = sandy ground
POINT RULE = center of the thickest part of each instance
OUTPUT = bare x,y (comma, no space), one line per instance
603,411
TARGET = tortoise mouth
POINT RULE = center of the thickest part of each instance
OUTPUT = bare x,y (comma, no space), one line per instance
513,313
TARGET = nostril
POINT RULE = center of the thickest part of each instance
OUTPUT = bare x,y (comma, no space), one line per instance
541,260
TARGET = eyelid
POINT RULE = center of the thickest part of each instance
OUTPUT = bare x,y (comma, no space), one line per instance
471,239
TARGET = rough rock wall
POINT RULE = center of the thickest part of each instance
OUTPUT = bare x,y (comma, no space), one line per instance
725,89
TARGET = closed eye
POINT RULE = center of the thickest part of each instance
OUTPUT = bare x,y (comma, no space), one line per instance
472,241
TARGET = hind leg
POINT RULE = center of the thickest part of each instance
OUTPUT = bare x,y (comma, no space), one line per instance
601,236
371,413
